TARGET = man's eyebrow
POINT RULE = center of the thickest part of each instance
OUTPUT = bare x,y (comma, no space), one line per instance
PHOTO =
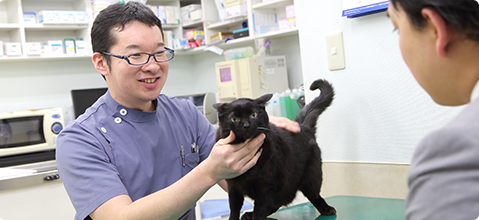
136,46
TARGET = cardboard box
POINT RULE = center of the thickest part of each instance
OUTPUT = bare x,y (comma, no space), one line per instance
66,17
161,13
1,48
172,15
221,36
29,18
80,46
81,17
264,22
236,10
48,17
191,13
69,45
33,48
287,23
55,46
13,49
290,12
241,33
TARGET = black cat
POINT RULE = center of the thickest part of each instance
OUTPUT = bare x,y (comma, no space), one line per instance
289,162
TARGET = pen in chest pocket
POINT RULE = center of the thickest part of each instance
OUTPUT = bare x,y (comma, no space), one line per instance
182,153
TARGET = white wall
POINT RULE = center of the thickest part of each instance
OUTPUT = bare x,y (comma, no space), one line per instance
379,113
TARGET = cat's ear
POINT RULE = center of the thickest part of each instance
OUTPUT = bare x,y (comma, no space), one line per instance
220,107
263,99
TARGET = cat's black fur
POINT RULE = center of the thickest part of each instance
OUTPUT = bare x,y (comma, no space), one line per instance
289,162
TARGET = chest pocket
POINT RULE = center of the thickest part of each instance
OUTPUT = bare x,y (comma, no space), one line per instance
190,158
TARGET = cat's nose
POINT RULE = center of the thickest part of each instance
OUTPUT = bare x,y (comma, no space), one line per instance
246,125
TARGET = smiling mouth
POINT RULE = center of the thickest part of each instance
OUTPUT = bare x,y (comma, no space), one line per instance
149,80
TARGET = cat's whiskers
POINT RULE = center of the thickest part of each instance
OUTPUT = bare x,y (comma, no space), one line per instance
263,128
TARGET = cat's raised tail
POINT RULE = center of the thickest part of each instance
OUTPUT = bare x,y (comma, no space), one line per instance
310,113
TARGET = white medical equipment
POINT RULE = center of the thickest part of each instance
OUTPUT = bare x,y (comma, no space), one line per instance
251,77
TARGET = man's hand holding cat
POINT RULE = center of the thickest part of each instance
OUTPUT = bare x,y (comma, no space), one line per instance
228,161
282,122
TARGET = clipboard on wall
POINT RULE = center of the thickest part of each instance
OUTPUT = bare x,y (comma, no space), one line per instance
358,8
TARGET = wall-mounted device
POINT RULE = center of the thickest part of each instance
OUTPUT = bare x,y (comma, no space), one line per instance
251,77
29,131
204,102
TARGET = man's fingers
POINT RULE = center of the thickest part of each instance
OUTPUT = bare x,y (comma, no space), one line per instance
231,137
251,162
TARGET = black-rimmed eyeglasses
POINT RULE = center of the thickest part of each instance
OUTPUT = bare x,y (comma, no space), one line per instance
138,59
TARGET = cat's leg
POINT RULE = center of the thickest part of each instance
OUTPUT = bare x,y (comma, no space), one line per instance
262,209
311,187
236,200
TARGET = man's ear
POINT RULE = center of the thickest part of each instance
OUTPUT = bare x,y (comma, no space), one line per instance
100,63
443,33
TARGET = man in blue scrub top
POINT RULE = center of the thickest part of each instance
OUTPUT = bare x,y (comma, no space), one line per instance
135,153
439,41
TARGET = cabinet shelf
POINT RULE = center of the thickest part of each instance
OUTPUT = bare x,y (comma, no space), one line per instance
226,24
193,24
43,27
280,33
9,27
43,58
272,4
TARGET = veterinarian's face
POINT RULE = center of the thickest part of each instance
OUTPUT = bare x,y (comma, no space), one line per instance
418,51
135,86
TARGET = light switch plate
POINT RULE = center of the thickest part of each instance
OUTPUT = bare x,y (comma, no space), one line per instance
335,50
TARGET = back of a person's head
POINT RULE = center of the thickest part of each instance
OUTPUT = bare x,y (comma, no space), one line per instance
117,16
462,15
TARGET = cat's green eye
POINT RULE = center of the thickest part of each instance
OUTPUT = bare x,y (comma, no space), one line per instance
254,115
234,119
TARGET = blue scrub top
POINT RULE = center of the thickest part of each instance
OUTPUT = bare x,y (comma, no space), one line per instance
113,150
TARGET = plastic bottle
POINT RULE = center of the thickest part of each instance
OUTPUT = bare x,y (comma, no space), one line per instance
294,106
269,107
275,104
282,104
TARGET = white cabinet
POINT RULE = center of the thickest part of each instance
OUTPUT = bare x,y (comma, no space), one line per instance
211,24
13,28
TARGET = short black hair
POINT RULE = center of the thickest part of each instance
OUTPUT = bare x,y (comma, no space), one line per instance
462,15
117,16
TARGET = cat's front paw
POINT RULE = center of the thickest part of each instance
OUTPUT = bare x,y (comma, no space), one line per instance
328,211
247,216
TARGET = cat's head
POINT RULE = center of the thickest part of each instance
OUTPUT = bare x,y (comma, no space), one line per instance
247,118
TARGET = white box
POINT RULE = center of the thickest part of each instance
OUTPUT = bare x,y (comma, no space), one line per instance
48,17
66,17
33,48
1,48
190,7
56,46
172,15
80,46
13,49
161,13
69,45
29,18
265,22
187,10
290,12
236,11
81,17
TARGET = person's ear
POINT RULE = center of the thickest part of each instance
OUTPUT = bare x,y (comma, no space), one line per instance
442,32
100,63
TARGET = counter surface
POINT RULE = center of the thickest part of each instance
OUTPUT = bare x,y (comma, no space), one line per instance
348,208
27,175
